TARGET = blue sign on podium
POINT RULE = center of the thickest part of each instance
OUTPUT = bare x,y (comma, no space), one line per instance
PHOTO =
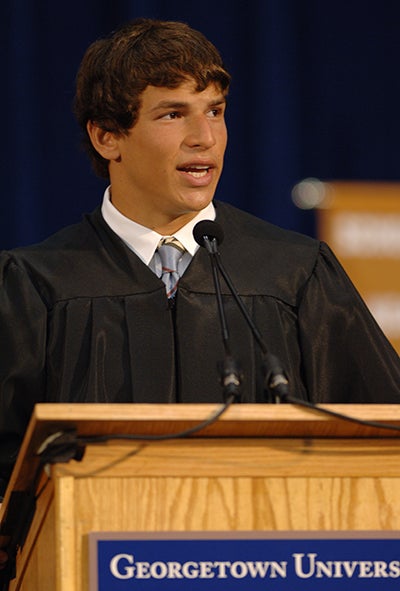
242,561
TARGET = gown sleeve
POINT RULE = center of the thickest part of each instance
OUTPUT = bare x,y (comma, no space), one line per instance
346,356
23,320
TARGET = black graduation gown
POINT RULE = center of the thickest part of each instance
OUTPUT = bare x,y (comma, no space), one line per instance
82,319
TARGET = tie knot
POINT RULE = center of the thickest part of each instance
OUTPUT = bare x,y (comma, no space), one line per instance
171,241
170,251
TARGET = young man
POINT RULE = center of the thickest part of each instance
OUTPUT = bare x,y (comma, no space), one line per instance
85,316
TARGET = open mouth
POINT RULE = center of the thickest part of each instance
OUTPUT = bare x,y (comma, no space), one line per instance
196,171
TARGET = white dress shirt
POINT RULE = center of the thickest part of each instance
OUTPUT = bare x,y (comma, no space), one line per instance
144,241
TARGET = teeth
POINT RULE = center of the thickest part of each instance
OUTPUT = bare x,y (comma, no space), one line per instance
198,174
197,171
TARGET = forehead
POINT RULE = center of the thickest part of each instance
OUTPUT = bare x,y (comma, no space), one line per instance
154,97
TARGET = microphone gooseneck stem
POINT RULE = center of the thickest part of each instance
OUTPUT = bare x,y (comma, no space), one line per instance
230,374
243,309
209,234
275,381
211,249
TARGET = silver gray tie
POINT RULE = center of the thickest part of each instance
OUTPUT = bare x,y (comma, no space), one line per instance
170,251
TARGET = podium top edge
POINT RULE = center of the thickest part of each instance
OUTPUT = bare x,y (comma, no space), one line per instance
137,412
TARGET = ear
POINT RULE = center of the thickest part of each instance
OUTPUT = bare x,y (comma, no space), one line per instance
105,142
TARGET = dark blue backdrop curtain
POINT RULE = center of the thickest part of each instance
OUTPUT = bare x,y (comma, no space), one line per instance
315,92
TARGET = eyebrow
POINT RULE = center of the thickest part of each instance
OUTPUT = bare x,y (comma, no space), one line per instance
180,104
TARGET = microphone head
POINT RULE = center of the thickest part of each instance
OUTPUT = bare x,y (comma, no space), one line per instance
208,229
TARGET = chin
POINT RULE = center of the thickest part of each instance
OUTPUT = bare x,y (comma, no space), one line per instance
199,202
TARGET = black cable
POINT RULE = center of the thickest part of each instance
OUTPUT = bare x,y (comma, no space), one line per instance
69,440
319,409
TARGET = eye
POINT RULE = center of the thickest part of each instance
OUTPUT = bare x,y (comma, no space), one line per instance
172,115
216,112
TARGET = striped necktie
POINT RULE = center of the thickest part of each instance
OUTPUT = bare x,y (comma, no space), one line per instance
170,251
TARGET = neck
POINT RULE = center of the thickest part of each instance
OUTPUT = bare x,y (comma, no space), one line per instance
163,223
170,227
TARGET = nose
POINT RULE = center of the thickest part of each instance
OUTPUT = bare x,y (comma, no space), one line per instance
200,133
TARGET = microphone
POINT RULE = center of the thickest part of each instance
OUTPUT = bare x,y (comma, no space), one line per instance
208,231
209,234
209,237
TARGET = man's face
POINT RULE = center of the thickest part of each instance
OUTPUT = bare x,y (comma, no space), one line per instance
170,162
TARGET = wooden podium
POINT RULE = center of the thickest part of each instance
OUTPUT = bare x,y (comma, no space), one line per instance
258,468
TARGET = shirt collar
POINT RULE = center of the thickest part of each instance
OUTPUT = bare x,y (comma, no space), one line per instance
144,241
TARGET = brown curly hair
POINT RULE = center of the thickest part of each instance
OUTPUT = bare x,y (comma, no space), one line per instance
116,70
